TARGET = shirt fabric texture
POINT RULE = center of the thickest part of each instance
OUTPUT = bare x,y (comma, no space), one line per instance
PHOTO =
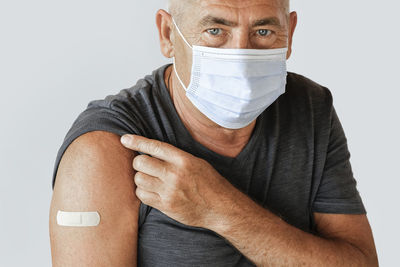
296,162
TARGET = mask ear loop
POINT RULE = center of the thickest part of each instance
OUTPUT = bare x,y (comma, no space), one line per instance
177,75
180,33
184,39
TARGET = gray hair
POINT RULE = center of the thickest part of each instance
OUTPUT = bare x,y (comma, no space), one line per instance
175,7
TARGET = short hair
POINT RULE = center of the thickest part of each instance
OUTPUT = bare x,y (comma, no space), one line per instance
175,7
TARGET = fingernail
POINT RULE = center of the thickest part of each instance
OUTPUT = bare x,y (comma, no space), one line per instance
125,139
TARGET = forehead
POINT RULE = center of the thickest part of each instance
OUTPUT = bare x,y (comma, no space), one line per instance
238,9
242,3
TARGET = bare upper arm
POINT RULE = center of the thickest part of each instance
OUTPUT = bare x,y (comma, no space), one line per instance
352,228
96,174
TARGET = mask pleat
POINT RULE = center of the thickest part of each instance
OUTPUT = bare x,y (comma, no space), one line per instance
234,104
241,70
253,88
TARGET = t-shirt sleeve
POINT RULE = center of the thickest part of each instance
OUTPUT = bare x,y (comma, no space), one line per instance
97,118
337,191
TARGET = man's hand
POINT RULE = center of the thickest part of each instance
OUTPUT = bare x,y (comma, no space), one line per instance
182,186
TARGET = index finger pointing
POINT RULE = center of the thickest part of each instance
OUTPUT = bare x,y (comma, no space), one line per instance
156,148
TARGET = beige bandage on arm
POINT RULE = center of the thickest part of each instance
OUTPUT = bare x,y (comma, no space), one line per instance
79,219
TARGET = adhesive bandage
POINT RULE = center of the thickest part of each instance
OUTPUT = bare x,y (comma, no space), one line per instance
91,218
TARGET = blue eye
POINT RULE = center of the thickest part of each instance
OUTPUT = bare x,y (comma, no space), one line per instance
214,31
264,32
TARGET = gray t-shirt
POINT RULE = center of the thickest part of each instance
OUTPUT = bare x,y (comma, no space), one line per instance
295,163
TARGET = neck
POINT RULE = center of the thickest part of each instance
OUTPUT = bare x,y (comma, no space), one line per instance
227,142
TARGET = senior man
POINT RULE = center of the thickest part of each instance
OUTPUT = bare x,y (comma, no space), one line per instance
226,159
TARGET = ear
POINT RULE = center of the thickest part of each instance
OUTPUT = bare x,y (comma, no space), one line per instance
164,22
292,27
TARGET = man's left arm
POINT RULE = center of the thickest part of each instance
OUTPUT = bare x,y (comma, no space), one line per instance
267,240
343,238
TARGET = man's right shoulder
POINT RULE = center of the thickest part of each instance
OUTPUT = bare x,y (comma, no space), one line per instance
133,110
94,159
129,97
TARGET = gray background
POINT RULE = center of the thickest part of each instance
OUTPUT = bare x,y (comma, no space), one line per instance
56,56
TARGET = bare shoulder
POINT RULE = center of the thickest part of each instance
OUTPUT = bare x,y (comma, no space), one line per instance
96,174
351,228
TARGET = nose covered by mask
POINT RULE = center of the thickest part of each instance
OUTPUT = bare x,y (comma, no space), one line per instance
232,87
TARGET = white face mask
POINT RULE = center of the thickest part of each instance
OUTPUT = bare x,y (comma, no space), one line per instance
232,87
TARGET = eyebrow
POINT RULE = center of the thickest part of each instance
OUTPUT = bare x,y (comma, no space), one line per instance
211,20
274,21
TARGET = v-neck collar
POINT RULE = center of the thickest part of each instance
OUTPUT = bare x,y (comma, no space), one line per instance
181,128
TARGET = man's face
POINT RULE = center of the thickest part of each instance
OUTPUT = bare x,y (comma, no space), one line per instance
248,24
